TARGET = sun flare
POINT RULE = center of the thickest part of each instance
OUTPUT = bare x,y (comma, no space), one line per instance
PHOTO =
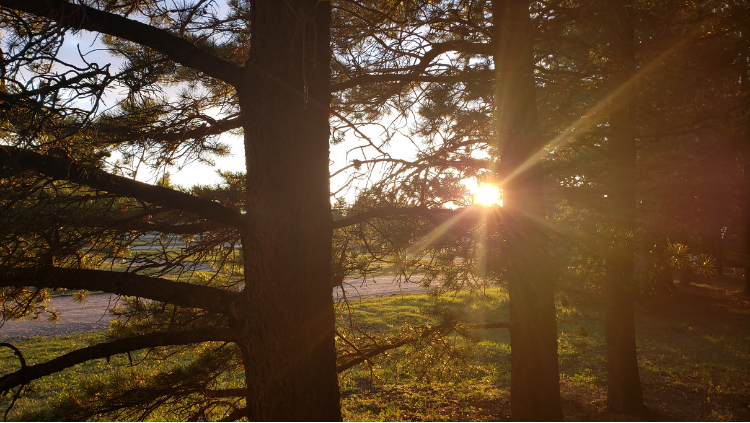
484,194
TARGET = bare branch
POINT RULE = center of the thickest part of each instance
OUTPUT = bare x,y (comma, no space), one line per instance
108,349
122,283
444,328
236,415
16,351
371,353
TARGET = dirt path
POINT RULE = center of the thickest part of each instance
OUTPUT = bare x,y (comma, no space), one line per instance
93,315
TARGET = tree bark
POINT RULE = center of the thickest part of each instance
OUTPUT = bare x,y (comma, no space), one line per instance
746,217
747,261
535,382
623,383
745,142
288,327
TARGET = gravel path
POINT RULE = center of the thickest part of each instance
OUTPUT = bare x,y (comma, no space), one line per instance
93,314
377,286
74,318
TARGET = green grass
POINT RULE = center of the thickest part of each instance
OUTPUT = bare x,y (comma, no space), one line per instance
50,390
694,359
43,395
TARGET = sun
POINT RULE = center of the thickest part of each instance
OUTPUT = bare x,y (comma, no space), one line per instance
484,194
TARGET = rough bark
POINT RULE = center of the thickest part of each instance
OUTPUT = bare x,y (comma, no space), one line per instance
288,331
745,136
746,229
623,383
535,383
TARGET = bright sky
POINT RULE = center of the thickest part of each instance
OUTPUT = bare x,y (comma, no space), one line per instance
202,174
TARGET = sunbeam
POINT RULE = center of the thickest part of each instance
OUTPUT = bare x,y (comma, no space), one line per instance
436,233
597,113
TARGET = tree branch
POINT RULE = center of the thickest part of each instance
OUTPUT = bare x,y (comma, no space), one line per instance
365,355
495,325
64,168
369,354
166,228
216,128
236,415
122,283
226,393
108,349
444,328
410,77
414,71
386,212
80,16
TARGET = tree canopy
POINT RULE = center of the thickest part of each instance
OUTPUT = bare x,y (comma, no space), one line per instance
612,127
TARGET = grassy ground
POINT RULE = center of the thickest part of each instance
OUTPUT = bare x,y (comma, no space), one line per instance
694,356
42,395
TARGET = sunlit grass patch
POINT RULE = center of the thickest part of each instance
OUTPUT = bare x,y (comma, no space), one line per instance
47,398
438,402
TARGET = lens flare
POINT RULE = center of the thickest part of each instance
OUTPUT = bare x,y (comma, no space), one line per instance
484,194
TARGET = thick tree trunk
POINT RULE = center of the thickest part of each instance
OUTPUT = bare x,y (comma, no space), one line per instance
746,216
745,143
719,250
288,325
623,383
535,382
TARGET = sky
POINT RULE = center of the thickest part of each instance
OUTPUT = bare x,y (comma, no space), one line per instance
202,174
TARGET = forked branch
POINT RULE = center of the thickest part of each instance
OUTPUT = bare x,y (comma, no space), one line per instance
108,349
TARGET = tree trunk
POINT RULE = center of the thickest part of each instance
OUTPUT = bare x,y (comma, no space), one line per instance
719,250
745,156
746,217
288,321
535,381
623,383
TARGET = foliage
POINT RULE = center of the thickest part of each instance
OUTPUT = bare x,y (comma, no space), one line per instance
76,132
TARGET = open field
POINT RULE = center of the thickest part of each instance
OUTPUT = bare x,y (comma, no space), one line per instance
694,356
